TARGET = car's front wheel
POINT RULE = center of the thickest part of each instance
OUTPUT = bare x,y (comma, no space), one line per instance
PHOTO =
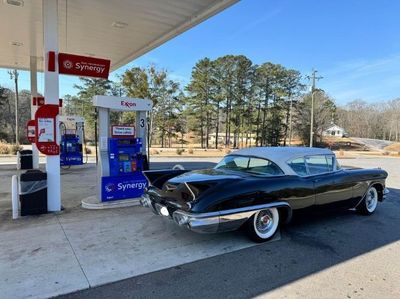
369,203
263,225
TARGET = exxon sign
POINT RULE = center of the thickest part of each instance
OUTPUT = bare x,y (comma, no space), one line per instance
128,104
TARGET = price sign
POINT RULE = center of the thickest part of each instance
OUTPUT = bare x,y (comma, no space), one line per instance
31,130
123,131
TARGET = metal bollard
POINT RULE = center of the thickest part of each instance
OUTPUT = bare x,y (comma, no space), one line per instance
14,196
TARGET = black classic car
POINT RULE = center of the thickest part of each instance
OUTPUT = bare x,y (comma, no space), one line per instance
259,188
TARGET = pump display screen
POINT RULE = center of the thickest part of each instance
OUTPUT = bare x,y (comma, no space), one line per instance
123,157
124,142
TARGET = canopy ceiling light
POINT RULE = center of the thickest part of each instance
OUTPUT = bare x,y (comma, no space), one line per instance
19,3
17,44
119,25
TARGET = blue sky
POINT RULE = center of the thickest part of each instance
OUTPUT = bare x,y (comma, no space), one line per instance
353,44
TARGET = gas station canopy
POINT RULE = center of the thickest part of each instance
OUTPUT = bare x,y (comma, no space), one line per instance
34,32
119,30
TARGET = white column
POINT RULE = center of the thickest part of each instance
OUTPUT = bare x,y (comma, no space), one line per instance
51,94
103,127
33,69
141,129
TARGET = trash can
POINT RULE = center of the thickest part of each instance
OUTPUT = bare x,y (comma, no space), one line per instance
33,192
25,159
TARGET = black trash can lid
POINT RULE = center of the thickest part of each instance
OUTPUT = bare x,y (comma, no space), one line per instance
25,152
33,175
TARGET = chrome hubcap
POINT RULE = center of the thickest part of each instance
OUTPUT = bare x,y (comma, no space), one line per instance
264,221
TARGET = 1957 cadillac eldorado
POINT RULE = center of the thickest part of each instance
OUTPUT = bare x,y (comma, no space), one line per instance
259,188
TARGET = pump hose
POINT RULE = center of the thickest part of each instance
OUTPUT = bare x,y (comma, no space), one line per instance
84,143
63,129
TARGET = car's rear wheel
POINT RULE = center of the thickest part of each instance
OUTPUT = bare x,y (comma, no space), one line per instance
263,225
369,203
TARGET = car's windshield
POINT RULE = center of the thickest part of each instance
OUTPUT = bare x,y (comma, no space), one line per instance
251,165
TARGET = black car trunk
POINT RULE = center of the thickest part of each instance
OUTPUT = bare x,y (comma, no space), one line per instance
182,190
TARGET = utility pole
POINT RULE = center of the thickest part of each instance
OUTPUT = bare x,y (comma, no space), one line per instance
290,120
313,77
14,76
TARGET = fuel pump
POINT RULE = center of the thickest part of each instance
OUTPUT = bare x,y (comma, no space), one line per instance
72,133
122,150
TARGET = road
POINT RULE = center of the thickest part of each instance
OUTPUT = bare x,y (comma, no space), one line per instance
336,255
373,144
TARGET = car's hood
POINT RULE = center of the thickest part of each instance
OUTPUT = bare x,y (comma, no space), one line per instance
204,175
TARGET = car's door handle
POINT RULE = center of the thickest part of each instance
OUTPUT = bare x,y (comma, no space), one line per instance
316,180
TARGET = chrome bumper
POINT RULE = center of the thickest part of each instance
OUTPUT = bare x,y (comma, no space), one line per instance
212,222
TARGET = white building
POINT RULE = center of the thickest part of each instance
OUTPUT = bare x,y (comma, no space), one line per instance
335,130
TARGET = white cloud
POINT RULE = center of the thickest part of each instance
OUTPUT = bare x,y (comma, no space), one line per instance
371,80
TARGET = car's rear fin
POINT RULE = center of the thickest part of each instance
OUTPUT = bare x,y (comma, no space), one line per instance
197,188
157,178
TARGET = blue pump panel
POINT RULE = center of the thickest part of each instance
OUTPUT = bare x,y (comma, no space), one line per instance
126,165
125,156
71,150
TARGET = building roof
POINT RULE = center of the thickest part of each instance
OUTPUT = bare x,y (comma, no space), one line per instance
119,30
280,155
334,127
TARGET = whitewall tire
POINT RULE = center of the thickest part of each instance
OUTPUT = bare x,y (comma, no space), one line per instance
368,205
263,225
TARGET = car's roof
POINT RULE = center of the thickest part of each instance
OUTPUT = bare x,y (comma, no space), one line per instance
280,155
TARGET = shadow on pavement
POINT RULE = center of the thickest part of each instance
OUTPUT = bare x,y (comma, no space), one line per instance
310,244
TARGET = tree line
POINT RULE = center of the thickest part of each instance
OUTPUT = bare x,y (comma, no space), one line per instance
376,120
228,102
7,114
230,97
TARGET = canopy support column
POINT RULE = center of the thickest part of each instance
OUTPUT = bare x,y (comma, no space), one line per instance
51,95
33,73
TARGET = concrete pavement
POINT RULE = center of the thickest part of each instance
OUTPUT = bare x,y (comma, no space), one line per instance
334,256
47,255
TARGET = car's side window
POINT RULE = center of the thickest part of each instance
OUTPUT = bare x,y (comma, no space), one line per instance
299,166
234,162
331,162
263,166
317,164
251,165
337,164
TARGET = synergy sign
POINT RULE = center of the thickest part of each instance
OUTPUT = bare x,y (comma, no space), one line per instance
77,65
121,187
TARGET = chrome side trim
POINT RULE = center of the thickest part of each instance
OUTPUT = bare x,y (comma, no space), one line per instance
190,190
362,198
149,183
384,193
221,221
276,204
212,222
